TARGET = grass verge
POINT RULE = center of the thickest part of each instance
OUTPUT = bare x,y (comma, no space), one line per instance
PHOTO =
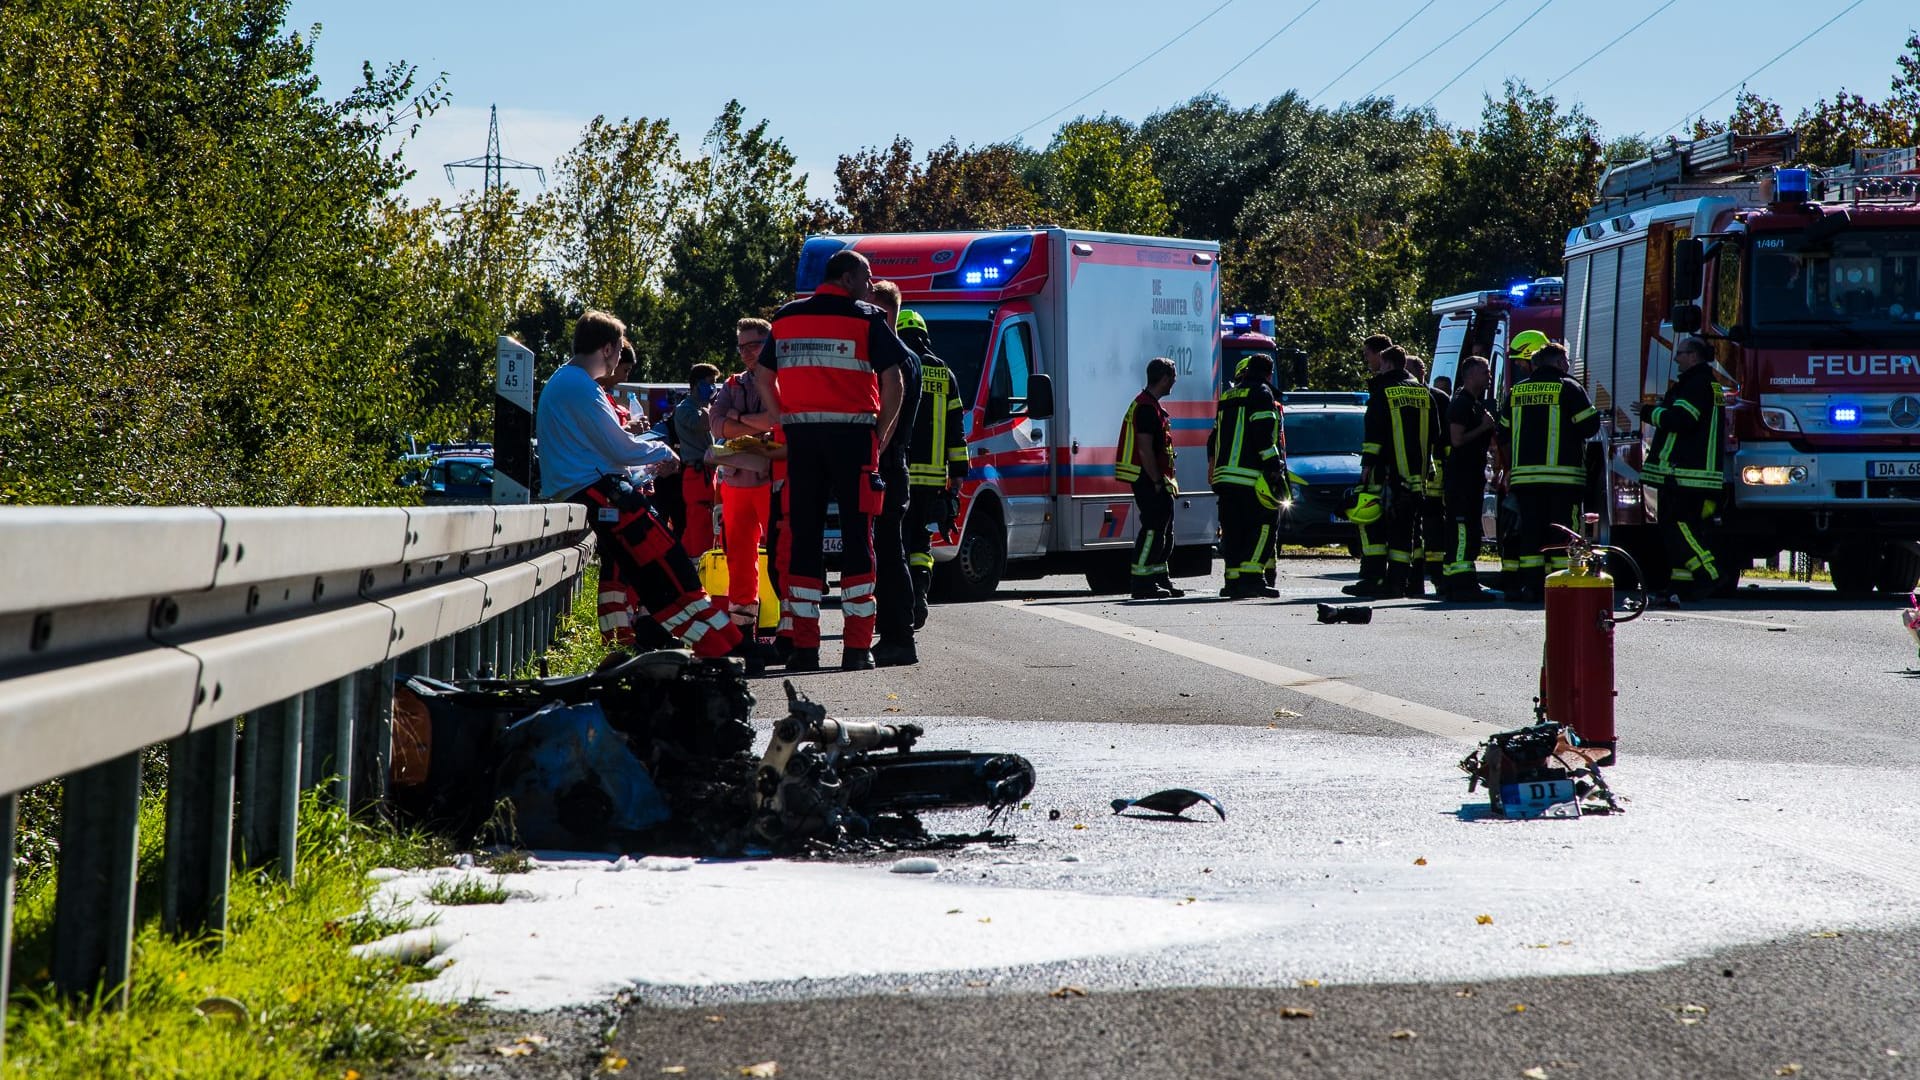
577,648
296,1002
471,889
280,994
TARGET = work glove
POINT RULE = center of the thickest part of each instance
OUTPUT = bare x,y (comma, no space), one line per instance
1173,486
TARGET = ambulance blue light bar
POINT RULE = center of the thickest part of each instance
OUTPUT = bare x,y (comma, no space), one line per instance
1843,415
989,262
1520,289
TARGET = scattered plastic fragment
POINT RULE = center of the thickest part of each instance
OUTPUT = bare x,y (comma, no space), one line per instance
1173,802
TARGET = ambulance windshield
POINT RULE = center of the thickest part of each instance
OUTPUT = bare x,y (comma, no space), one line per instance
1864,279
962,343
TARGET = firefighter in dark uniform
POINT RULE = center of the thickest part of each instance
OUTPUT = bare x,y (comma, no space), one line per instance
1470,427
936,459
1429,549
1144,459
1686,465
1545,423
1367,523
1506,520
1396,458
1247,473
837,384
893,578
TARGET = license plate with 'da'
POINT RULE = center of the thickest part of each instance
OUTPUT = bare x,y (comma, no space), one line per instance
1893,470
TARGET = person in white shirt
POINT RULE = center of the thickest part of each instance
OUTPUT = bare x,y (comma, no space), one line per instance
586,457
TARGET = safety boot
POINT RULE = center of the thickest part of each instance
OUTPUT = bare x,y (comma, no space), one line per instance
857,660
1167,586
803,660
895,653
1365,590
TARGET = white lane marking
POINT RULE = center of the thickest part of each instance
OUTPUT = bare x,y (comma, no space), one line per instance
1411,714
1658,613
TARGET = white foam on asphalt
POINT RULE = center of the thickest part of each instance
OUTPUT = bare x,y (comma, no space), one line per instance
1316,874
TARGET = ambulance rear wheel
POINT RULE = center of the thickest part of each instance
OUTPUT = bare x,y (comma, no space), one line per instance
979,561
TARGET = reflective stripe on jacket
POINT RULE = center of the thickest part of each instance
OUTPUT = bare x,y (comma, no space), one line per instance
1245,443
1545,423
1687,426
1135,443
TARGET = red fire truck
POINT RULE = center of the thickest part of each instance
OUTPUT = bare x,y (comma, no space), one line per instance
1806,284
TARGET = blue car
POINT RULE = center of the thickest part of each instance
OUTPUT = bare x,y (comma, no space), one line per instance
1324,431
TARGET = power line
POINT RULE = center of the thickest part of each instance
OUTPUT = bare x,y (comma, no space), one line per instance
1596,53
1745,78
1448,40
1123,74
1544,4
1375,49
1259,47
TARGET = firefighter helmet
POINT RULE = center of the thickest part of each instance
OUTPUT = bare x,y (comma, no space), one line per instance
910,320
1526,343
1366,509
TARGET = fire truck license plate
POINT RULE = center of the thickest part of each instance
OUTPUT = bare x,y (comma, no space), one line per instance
1893,470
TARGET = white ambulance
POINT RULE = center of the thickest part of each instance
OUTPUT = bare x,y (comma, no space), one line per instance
1049,331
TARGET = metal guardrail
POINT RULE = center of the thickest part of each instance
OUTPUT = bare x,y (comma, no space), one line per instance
260,645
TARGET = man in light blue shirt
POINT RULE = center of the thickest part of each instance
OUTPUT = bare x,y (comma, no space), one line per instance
585,456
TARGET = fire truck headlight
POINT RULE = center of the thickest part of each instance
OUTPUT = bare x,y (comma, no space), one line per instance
1773,475
1777,419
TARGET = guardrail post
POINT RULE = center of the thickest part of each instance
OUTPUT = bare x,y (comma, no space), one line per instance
93,899
445,660
309,731
329,754
9,822
372,735
509,643
199,851
270,819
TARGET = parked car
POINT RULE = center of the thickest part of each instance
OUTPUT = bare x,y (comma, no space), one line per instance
1324,432
451,474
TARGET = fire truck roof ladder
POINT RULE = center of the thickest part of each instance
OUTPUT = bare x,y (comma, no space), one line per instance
1691,170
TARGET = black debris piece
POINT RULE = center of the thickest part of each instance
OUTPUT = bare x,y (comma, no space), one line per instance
1173,802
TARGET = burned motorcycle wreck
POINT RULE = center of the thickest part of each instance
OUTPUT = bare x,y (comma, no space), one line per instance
654,753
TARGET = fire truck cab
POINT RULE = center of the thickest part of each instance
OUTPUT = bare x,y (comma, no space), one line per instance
1048,332
1806,285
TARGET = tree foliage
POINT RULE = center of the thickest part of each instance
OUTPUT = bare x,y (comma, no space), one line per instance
1098,174
198,251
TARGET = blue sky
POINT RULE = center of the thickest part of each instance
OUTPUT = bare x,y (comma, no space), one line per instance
835,76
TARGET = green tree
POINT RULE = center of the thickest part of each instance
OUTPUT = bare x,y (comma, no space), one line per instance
619,195
197,251
1752,115
979,187
736,250
871,187
1505,195
1097,174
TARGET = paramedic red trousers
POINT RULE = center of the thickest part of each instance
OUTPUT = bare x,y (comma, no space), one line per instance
831,462
651,563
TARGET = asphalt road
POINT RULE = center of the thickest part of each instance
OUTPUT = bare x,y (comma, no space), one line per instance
1755,912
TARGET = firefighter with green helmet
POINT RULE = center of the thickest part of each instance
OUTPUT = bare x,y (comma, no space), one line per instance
1686,465
1248,471
1506,522
936,459
1545,423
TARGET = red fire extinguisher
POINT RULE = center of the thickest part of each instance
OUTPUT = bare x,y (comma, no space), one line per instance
1576,673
